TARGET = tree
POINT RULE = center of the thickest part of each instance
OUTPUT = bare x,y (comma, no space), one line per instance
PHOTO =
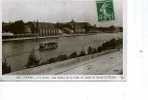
82,53
89,50
99,49
61,57
73,55
6,68
17,27
52,60
33,60
5,27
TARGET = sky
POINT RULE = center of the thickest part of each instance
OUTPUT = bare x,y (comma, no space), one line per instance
57,11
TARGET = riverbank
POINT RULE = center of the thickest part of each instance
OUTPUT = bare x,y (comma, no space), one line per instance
98,64
39,37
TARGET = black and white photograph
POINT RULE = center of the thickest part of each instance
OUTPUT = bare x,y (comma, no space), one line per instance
62,37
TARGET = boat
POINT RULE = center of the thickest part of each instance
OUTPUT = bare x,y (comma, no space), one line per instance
48,46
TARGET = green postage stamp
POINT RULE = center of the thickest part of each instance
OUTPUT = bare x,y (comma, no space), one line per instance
105,10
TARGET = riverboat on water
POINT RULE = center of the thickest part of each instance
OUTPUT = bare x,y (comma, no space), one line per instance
48,46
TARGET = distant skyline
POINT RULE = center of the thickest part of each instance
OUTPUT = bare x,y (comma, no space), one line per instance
57,11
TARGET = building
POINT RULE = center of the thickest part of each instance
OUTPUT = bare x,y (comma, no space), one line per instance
45,29
42,28
79,27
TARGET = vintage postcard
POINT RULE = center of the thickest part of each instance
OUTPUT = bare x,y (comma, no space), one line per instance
63,40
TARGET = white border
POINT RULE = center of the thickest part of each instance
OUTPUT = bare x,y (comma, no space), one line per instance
72,78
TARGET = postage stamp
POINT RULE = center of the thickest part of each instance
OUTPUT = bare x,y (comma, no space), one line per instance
62,40
105,10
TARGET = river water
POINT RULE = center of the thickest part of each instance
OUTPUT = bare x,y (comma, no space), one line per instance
17,52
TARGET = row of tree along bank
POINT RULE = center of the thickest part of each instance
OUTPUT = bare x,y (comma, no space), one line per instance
112,44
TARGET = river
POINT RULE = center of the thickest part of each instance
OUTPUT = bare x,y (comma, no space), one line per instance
17,52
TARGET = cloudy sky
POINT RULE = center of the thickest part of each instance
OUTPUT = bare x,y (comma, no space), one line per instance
57,11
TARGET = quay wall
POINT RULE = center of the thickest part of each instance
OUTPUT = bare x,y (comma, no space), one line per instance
32,38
